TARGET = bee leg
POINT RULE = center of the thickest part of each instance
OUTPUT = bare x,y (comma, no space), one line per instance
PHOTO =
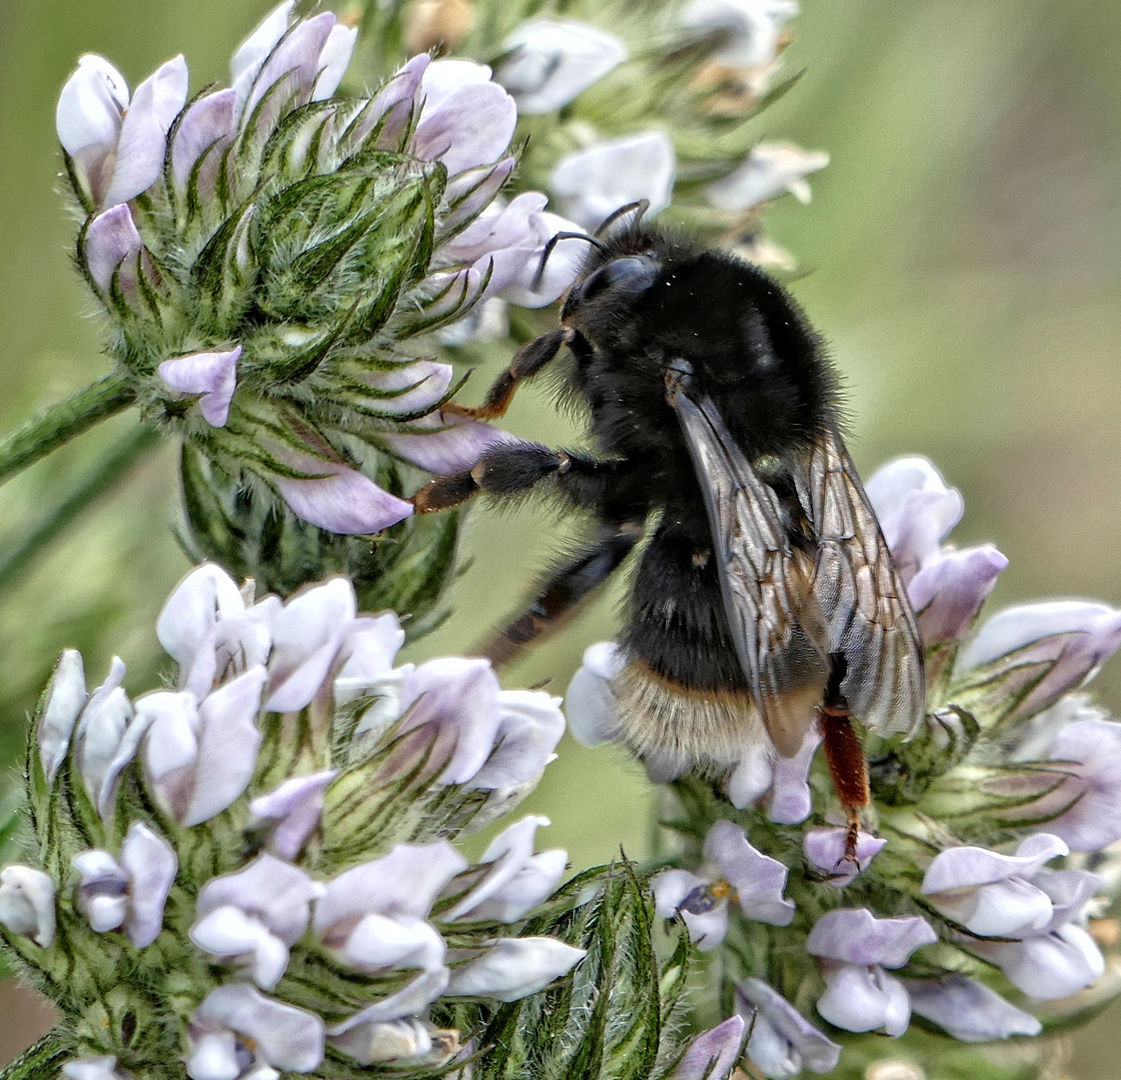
512,468
529,360
563,592
848,768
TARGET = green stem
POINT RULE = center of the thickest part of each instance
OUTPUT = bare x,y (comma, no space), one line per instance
38,1062
123,456
62,422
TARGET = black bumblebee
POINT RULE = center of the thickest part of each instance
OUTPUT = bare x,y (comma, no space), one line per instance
765,597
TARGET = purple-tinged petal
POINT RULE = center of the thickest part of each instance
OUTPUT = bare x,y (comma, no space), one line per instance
495,229
712,1054
589,703
288,74
968,1010
856,936
394,104
403,883
457,700
276,892
469,127
337,498
228,744
530,725
790,800
514,968
771,1018
451,445
307,635
110,239
859,998
1068,640
334,59
949,591
93,1068
916,511
206,128
824,847
213,375
551,61
269,1032
753,776
968,867
107,740
768,170
142,146
518,879
414,998
292,812
1069,891
90,106
593,183
758,880
102,894
63,701
254,50
232,936
472,191
27,898
380,943
1048,967
443,78
204,597
151,864
565,261
367,653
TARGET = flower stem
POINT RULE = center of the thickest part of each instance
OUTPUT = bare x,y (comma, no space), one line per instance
38,1062
123,456
62,422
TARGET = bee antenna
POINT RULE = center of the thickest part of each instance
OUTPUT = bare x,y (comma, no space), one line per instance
552,243
642,205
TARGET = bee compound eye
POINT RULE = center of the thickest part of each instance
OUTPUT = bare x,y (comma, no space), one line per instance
629,276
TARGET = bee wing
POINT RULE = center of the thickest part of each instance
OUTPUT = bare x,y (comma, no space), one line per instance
869,617
775,619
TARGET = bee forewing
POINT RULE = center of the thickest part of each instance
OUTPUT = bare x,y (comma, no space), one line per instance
774,616
869,617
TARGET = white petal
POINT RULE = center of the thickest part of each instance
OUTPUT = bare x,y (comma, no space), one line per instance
90,106
513,968
64,700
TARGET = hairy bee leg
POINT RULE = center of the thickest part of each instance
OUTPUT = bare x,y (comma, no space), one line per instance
516,467
849,770
529,360
563,592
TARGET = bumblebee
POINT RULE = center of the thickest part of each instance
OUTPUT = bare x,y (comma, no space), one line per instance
765,599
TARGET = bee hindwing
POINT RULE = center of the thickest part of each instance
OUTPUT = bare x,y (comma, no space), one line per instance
869,618
773,614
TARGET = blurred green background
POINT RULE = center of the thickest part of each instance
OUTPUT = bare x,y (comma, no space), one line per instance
962,256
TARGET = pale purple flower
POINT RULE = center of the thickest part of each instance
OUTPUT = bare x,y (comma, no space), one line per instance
129,893
750,28
238,1033
733,870
252,917
112,242
212,376
593,183
27,899
530,724
824,847
93,1068
1044,649
107,738
856,947
916,511
769,170
465,120
334,59
200,756
118,145
551,61
948,592
206,129
516,879
373,916
713,1053
782,1041
395,104
589,703
64,699
1050,966
414,998
783,783
514,968
292,812
445,444
968,1010
994,895
367,655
